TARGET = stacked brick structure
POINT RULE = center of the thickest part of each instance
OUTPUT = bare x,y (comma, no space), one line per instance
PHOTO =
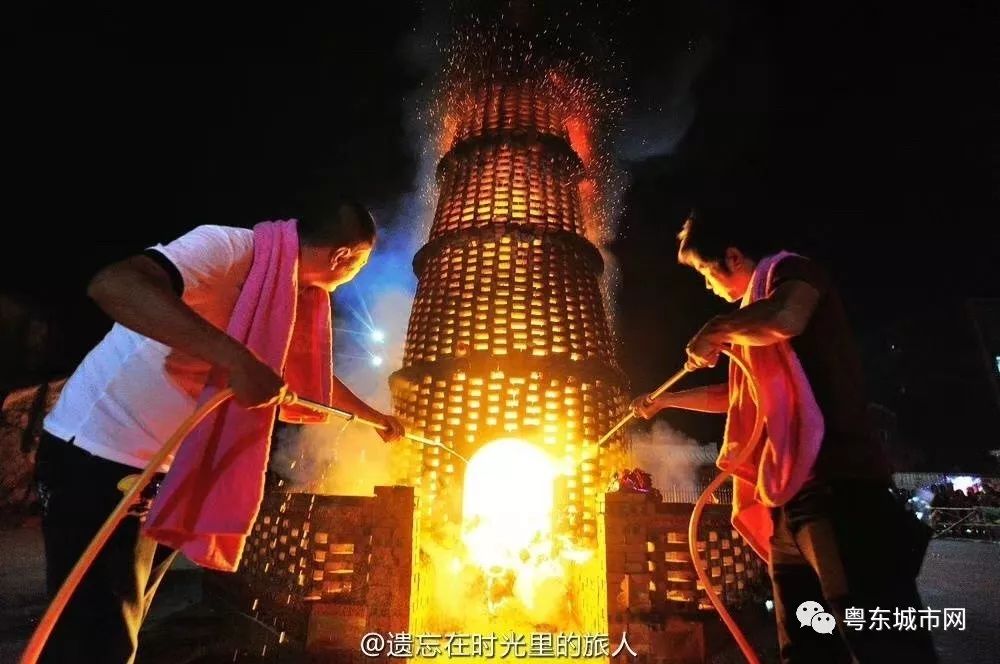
653,592
323,571
508,335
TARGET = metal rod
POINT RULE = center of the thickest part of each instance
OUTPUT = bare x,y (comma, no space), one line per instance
343,414
670,382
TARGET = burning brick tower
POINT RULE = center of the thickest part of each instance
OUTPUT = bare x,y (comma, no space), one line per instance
508,335
509,361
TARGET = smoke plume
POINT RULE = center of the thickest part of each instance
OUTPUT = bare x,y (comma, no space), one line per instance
371,313
672,458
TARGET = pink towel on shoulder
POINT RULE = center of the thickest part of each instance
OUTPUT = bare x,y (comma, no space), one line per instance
793,430
212,493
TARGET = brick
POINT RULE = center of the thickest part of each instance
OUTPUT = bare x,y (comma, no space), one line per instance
636,557
336,625
616,562
684,640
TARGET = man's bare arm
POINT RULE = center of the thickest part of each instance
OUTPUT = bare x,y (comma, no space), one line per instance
138,294
782,316
344,399
706,399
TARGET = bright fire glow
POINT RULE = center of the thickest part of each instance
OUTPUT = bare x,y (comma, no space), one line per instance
507,535
507,502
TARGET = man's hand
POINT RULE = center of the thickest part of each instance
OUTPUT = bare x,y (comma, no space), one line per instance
255,384
645,408
704,348
343,398
394,429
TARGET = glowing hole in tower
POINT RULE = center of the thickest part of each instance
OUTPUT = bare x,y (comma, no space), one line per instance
507,502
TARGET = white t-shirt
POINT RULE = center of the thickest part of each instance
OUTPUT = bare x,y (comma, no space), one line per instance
131,393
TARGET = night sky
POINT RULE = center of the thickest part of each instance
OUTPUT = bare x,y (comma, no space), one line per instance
864,127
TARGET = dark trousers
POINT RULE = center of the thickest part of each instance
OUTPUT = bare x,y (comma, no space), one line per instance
847,544
78,491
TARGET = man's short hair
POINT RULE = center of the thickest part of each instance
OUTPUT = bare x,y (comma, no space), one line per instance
709,230
322,221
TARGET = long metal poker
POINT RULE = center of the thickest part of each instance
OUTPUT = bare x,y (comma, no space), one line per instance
330,410
628,418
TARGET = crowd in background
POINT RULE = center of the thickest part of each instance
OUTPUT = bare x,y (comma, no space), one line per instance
945,495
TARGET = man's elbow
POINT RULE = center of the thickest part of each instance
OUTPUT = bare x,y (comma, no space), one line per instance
97,286
788,325
104,285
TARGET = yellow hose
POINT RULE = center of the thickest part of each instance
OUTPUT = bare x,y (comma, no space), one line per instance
699,506
41,635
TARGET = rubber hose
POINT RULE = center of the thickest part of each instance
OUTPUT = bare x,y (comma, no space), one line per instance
699,506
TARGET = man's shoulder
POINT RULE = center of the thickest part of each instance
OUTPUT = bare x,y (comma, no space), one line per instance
208,254
219,230
210,238
795,260
796,267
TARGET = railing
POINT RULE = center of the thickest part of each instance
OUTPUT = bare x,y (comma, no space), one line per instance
966,522
685,494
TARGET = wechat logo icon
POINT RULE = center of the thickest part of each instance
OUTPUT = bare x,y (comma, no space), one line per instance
811,614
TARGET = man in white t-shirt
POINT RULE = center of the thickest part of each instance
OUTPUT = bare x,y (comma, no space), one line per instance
171,306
